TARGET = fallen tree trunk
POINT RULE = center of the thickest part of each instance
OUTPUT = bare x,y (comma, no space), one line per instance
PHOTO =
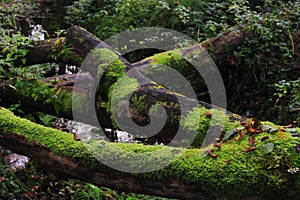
78,44
176,106
65,167
234,174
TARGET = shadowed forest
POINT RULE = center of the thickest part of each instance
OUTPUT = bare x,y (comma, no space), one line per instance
68,86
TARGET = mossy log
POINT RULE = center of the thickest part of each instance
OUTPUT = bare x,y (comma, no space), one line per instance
78,43
234,174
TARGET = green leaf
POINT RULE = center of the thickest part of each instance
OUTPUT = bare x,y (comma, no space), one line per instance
291,130
36,97
56,108
266,148
23,60
268,128
23,52
229,134
240,128
9,55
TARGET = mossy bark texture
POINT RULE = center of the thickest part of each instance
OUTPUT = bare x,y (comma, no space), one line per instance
234,174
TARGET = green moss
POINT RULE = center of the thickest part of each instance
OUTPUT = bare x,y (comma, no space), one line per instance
118,93
172,59
110,67
234,174
166,58
198,122
59,42
59,142
176,60
114,86
62,49
137,157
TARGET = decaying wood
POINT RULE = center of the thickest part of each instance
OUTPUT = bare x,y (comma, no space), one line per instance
66,157
65,167
80,42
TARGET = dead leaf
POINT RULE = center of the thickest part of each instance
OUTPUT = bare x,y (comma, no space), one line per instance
218,145
250,149
228,161
281,128
214,155
264,138
251,141
241,133
208,114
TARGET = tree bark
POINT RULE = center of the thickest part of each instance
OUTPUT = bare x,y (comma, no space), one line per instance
80,42
64,167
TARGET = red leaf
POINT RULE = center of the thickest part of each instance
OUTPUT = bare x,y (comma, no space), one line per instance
251,141
244,123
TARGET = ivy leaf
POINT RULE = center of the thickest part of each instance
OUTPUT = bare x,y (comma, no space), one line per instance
268,128
291,130
229,134
23,60
240,128
23,52
267,148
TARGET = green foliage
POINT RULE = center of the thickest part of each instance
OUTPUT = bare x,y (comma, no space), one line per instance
15,47
288,101
198,19
15,184
33,183
264,60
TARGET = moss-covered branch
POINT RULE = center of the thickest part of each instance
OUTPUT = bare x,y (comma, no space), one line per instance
79,42
236,173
